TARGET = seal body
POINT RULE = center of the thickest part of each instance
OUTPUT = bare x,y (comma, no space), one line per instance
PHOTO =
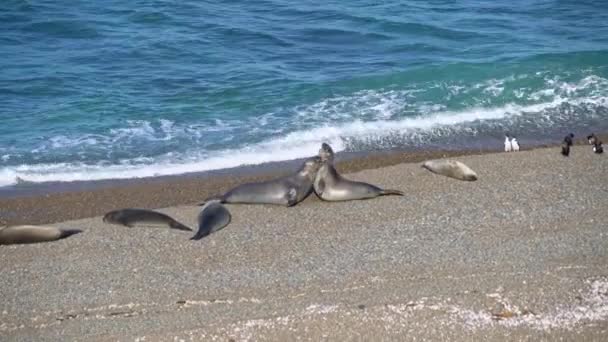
213,217
329,185
33,234
288,191
450,168
130,216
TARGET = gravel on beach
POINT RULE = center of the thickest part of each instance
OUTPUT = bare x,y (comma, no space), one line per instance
521,253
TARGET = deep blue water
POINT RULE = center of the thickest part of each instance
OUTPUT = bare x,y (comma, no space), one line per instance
116,89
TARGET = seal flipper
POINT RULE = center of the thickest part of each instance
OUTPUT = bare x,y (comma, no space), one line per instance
292,197
176,225
68,232
320,187
389,192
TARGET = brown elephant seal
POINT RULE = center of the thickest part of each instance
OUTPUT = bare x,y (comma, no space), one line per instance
331,186
213,217
128,217
450,168
288,191
33,234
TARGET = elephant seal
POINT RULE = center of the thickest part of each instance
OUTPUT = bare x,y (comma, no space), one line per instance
128,217
450,168
288,191
33,234
213,217
331,186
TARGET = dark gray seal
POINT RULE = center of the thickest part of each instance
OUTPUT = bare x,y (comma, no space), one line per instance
331,186
288,191
213,217
128,217
33,234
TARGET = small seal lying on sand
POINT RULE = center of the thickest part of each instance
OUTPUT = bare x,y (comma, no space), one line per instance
287,191
213,217
450,168
128,217
331,186
32,234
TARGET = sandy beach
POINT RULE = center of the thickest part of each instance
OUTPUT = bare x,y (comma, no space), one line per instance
520,254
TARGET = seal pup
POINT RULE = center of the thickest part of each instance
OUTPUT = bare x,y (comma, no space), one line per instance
592,139
566,144
331,186
33,234
129,216
213,217
507,144
450,168
514,145
288,191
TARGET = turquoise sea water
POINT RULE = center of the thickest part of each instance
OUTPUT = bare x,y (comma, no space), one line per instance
119,89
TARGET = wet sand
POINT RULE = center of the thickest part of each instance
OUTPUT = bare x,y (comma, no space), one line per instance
162,192
520,254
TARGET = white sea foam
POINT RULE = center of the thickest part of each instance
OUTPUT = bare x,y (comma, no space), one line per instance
366,117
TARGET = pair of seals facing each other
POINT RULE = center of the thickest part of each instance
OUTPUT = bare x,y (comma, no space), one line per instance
288,191
212,218
329,185
33,234
450,168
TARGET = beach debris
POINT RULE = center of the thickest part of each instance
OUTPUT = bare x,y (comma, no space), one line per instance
213,217
566,144
130,216
450,168
33,234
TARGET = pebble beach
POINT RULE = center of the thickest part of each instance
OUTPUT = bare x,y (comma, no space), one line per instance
519,254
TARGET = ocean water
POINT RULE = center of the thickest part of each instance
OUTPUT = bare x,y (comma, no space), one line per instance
120,89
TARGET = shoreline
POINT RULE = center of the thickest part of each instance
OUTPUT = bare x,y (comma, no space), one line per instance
167,191
74,200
